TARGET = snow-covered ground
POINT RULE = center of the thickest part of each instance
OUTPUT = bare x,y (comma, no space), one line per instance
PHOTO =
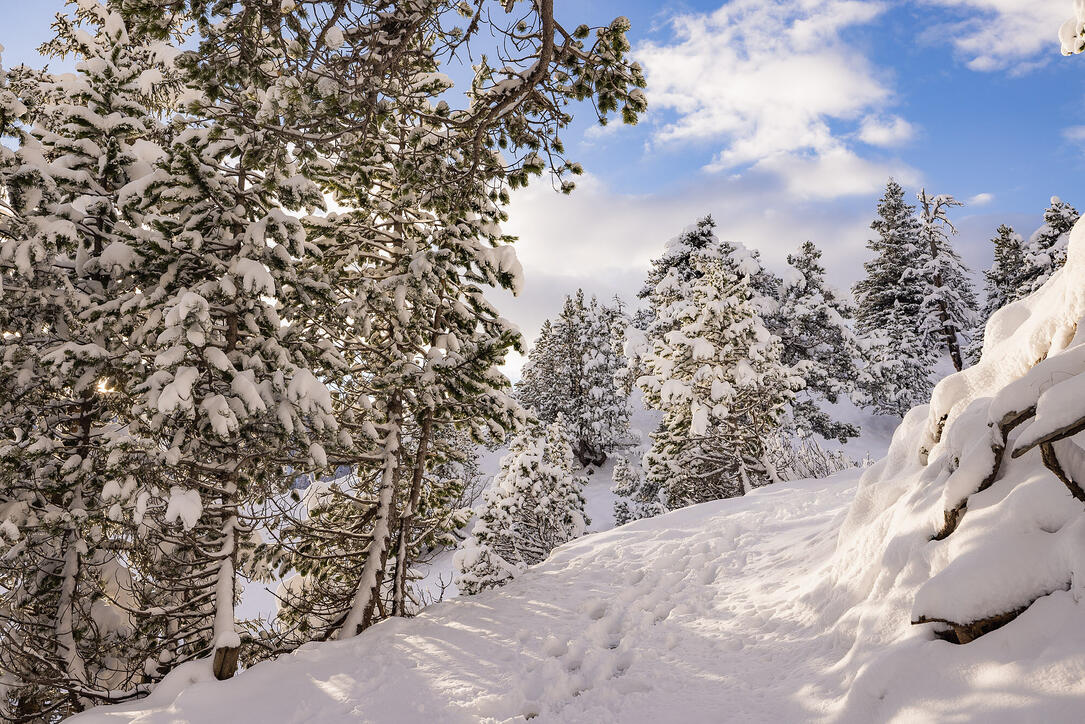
439,574
750,609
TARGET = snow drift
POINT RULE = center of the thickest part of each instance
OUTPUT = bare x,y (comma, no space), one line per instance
944,585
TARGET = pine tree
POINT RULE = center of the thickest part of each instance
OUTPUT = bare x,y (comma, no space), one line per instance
1003,280
948,310
234,399
817,343
716,374
71,627
637,497
897,373
1045,252
542,377
677,263
574,370
181,342
534,505
889,301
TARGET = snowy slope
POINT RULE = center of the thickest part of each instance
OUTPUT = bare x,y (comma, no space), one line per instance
438,575
740,610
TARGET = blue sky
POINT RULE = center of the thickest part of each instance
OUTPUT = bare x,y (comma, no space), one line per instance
784,118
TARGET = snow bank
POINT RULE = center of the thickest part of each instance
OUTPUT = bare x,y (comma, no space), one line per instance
826,600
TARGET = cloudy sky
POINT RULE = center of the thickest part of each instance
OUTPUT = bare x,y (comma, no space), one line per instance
783,118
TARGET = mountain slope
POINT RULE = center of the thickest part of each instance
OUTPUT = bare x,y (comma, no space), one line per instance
741,610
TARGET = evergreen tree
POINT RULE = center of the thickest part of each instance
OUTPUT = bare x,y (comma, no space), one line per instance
181,341
817,343
637,497
71,630
574,370
716,374
543,377
1045,252
677,263
888,300
534,505
889,303
234,402
1003,280
897,373
948,310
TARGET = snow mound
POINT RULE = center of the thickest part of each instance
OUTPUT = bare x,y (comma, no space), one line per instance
1000,444
944,585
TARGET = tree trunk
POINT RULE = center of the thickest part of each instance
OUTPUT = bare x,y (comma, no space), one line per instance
368,590
399,596
227,641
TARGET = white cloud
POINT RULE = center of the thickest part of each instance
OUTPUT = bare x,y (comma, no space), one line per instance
981,199
834,172
1003,34
885,132
767,76
771,80
1075,134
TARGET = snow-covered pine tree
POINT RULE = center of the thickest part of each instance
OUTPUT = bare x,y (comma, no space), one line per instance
888,300
535,504
626,482
399,328
949,308
1002,281
1045,252
677,262
421,185
574,371
71,629
620,324
234,398
818,343
542,379
897,375
715,371
888,304
637,497
602,424
426,345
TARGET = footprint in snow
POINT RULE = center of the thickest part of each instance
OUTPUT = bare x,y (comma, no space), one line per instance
596,609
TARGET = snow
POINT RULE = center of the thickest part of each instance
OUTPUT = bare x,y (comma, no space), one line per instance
762,608
1052,412
119,255
244,386
309,393
184,505
333,38
255,277
178,394
222,418
1072,32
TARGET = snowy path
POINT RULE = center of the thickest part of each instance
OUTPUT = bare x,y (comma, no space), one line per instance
777,607
696,613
